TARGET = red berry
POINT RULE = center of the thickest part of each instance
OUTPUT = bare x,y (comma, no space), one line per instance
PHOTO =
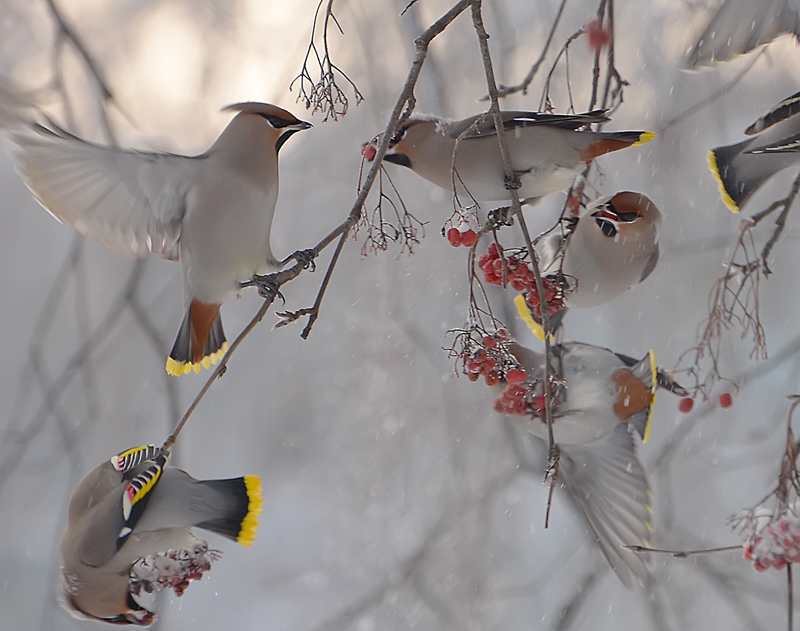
369,151
473,376
454,237
598,36
686,404
514,392
489,342
484,260
492,378
501,334
516,375
480,355
469,238
489,364
725,400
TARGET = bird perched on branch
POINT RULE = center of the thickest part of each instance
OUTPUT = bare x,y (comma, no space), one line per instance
739,26
741,169
600,400
129,530
211,212
546,150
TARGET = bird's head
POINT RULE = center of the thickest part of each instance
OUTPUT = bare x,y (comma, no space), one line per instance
626,214
101,605
406,141
279,123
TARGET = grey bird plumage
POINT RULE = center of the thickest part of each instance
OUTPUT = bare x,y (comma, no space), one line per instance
211,212
133,506
602,401
546,151
738,26
742,168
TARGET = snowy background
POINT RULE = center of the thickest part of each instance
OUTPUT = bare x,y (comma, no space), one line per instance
394,497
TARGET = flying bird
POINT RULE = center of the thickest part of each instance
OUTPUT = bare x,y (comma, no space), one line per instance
547,151
602,400
211,212
130,522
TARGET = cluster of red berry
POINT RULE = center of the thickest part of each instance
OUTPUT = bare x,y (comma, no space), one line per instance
493,361
553,295
518,275
467,238
517,399
776,545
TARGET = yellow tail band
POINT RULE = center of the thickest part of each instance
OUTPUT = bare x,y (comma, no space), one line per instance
646,136
527,317
653,388
177,368
726,199
249,527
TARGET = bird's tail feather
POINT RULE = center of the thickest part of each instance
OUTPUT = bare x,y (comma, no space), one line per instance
240,521
607,142
200,342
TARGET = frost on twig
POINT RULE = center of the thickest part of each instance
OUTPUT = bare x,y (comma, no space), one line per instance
324,94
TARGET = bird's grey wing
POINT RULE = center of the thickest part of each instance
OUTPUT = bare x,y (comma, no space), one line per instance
132,202
515,119
741,25
609,486
791,144
783,110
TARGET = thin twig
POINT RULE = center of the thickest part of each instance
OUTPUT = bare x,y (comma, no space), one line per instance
513,185
402,110
683,554
523,85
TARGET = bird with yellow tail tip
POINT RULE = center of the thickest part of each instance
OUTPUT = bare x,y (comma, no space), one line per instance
611,247
547,151
601,400
130,530
211,212
741,169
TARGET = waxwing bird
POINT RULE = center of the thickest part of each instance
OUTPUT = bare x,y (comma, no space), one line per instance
211,212
611,247
741,169
547,151
129,529
601,399
739,26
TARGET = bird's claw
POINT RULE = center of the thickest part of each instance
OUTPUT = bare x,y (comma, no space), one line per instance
512,183
500,217
306,258
267,286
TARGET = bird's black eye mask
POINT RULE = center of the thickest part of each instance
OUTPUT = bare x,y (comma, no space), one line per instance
278,122
608,216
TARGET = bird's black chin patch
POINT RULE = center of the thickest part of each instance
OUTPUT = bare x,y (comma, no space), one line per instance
606,227
398,158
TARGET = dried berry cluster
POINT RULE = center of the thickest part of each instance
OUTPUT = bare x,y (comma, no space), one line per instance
172,569
491,359
774,545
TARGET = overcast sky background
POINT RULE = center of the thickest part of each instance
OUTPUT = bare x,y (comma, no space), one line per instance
394,497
